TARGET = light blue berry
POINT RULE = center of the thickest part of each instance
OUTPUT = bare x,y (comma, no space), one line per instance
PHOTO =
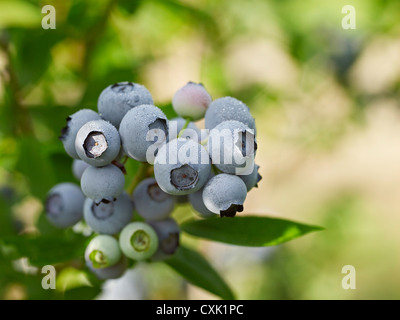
225,194
108,217
117,99
64,205
151,202
98,143
168,233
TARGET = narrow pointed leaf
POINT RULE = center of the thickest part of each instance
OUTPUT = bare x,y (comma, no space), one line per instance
197,270
251,231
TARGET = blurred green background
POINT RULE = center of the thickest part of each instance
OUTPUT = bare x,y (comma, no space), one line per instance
326,103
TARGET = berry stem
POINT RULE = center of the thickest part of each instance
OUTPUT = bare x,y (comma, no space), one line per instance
184,126
140,175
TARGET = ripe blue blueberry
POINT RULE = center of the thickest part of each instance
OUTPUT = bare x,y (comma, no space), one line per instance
102,183
103,251
143,129
138,241
228,108
108,217
232,147
191,101
97,143
225,194
151,202
181,167
78,166
196,200
168,238
64,205
74,123
117,99
252,180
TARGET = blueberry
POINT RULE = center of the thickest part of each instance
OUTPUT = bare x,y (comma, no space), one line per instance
228,108
74,123
97,143
151,202
191,101
232,147
102,183
64,205
102,251
191,131
141,128
117,99
78,166
224,194
138,241
181,167
252,180
108,217
196,200
113,272
168,238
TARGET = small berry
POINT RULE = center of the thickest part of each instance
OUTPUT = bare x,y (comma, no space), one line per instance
64,205
103,251
102,183
140,129
181,167
191,131
74,123
228,108
225,194
196,200
78,166
232,147
138,241
252,180
113,272
191,101
97,143
168,238
108,217
151,202
117,99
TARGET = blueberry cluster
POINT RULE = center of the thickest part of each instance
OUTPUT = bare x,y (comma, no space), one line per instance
213,169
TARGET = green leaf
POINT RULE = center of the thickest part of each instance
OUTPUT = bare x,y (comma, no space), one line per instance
197,270
19,14
252,231
47,250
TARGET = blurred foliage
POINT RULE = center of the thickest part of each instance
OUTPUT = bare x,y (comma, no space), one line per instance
288,60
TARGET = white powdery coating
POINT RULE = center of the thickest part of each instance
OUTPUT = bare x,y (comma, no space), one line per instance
228,108
77,120
134,127
192,100
107,245
165,229
222,191
113,105
217,146
196,200
71,199
147,207
100,183
122,211
252,179
162,170
78,167
112,139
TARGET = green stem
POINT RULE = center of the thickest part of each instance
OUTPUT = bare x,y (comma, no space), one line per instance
140,175
184,126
